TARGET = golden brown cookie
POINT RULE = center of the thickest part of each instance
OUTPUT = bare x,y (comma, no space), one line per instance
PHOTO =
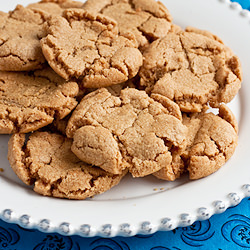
130,131
46,161
88,47
20,34
193,68
147,20
31,100
211,141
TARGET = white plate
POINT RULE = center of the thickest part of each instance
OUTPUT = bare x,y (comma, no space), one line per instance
146,205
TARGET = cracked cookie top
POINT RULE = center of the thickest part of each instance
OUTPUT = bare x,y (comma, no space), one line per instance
88,47
20,34
214,143
147,20
31,100
131,131
55,7
46,161
193,68
211,141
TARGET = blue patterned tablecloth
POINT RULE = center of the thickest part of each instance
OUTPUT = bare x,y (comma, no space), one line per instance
227,231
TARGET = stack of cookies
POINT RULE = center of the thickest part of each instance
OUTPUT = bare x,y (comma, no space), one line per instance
112,87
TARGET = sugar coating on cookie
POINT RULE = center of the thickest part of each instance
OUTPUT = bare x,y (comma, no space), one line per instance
211,141
130,131
20,34
88,47
193,68
46,161
31,100
147,20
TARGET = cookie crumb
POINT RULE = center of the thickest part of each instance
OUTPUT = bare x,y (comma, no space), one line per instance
1,170
155,189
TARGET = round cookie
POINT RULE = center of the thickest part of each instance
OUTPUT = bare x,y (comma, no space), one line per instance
20,34
88,47
193,68
211,141
31,100
147,20
130,131
47,162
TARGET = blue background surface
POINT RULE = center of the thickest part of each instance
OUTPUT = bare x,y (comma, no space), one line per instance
227,231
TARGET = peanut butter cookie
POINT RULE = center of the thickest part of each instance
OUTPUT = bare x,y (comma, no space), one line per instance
88,47
147,20
47,162
130,131
31,100
214,143
211,141
193,68
20,34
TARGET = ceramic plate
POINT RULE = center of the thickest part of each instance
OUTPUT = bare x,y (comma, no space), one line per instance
147,205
